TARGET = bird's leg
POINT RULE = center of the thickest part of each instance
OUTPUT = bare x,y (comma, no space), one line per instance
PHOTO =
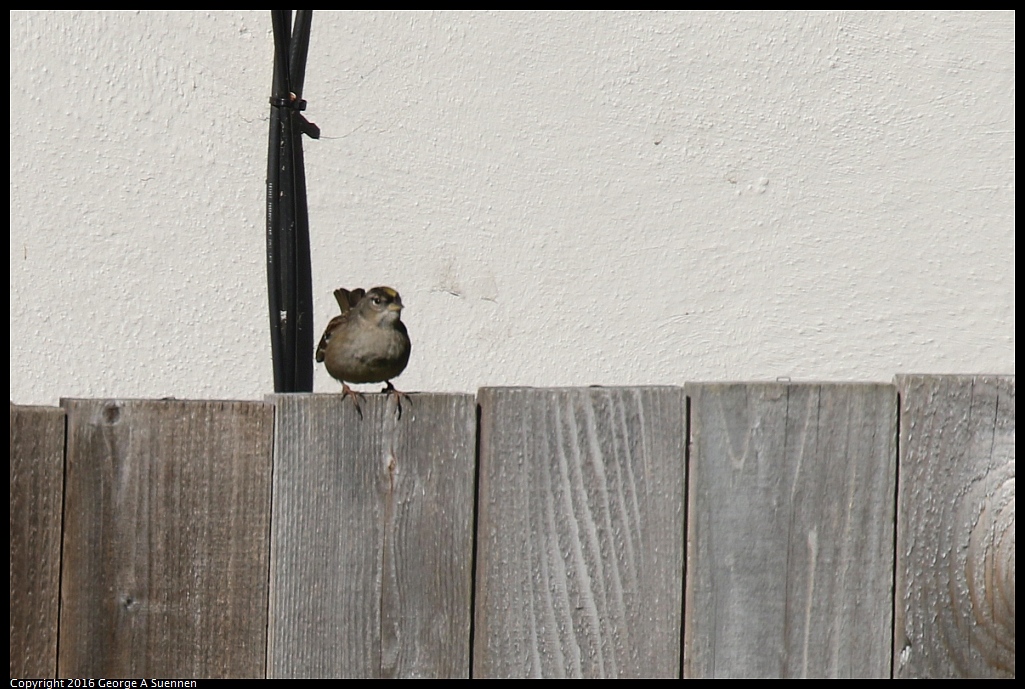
399,396
355,396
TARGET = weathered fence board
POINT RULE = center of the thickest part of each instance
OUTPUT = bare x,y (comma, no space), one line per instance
580,537
790,530
811,551
955,544
372,537
167,518
37,489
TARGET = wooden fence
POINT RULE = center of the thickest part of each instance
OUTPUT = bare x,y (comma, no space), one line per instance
715,530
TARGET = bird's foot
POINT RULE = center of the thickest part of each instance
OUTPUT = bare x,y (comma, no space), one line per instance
355,396
399,396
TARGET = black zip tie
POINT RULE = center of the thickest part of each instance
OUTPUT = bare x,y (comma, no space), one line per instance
305,126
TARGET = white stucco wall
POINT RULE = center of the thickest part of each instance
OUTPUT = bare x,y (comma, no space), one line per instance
561,199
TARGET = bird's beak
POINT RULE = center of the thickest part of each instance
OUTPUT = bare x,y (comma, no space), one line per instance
394,306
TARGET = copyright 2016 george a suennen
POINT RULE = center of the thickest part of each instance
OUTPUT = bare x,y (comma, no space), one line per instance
98,683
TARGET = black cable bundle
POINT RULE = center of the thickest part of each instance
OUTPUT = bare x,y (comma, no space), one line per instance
289,282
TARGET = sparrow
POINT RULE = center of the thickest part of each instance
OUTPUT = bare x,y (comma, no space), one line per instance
367,342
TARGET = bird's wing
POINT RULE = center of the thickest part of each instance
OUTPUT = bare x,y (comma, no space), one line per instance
336,323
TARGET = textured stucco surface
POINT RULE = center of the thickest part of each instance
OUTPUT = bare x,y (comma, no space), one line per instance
562,199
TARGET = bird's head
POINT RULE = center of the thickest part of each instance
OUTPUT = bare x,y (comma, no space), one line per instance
382,305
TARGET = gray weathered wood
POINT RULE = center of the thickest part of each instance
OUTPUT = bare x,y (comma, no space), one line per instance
37,488
372,537
166,539
955,544
580,536
790,530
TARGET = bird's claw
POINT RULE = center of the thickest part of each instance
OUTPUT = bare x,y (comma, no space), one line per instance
399,396
355,396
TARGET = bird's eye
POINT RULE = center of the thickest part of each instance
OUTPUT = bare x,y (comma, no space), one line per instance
377,300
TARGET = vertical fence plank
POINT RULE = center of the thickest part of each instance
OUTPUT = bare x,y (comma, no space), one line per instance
37,488
790,530
955,544
580,536
166,539
372,540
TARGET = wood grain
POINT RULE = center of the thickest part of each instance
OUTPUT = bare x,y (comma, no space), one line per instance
955,547
580,537
166,539
372,537
37,489
790,530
